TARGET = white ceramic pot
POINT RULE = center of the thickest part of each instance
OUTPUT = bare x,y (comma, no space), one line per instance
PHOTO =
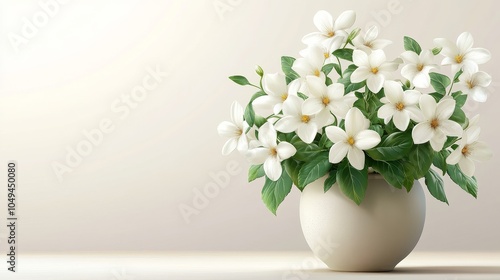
374,236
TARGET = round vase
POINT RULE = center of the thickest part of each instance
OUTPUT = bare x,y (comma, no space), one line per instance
373,236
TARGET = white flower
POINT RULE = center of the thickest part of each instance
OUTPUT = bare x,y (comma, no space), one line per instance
399,106
277,92
461,53
324,101
418,67
295,119
235,130
351,142
311,63
436,125
369,41
328,48
373,68
469,149
330,31
271,153
475,83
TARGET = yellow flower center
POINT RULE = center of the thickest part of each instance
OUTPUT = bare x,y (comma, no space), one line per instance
305,119
470,84
273,152
400,106
434,123
459,58
351,141
284,96
465,150
325,100
327,55
239,132
331,33
374,70
369,44
317,73
420,66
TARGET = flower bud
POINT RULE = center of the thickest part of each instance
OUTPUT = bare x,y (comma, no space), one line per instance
353,34
259,70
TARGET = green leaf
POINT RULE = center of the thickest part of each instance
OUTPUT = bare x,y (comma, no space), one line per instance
459,117
394,147
411,45
439,160
337,68
274,192
256,95
240,80
468,184
392,171
346,76
344,54
327,68
255,171
292,167
436,50
324,142
378,128
286,66
332,178
437,96
435,185
460,98
409,178
314,169
328,81
304,151
439,82
354,86
249,115
301,95
457,76
421,158
352,182
259,121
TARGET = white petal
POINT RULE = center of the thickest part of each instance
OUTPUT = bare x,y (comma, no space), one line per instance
292,106
371,34
356,158
267,135
287,124
437,140
393,91
323,21
401,120
312,106
388,67
450,128
467,166
285,150
410,57
386,111
482,79
323,118
228,129
422,80
257,155
229,146
307,132
411,97
316,86
478,55
338,152
339,108
366,139
449,48
428,106
415,113
472,133
345,20
376,58
355,121
464,42
480,151
479,94
379,44
242,144
360,74
314,38
409,71
335,134
272,168
422,133
375,82
360,58
302,67
335,91
264,105
274,84
455,156
236,113
445,108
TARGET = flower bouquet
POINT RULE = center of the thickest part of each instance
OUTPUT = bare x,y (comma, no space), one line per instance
343,110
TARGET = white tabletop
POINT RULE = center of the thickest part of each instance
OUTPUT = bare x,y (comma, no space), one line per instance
242,265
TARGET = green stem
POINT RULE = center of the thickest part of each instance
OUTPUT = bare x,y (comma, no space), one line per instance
340,66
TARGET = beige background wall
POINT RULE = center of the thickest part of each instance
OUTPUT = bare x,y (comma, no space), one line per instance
77,69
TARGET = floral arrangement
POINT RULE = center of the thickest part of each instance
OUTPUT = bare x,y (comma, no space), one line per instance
341,111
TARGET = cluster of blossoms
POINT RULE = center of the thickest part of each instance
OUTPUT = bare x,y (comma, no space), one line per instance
310,121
